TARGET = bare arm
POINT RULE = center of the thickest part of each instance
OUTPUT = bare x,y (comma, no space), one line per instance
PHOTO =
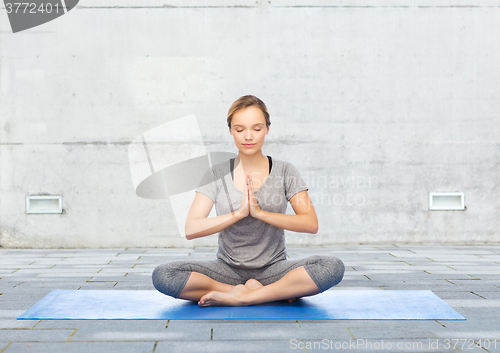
197,223
304,220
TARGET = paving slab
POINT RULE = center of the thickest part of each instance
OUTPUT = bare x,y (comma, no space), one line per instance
256,331
6,323
123,335
27,275
35,335
214,346
390,332
103,325
81,347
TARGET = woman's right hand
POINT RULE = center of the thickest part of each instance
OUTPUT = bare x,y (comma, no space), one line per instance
244,209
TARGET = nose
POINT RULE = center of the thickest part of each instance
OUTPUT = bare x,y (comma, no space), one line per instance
248,136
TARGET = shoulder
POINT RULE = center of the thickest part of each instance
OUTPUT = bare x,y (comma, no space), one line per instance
285,166
221,165
220,168
279,162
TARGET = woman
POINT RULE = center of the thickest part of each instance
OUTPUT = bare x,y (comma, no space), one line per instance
250,193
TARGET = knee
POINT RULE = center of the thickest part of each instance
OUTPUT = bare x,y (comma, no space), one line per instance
169,278
336,267
333,268
160,273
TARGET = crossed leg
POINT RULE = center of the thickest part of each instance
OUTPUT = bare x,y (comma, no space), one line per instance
296,283
254,284
199,284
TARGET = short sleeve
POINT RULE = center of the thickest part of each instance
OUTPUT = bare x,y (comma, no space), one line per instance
207,185
293,181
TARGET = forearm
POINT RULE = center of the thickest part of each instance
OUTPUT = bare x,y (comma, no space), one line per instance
302,223
201,227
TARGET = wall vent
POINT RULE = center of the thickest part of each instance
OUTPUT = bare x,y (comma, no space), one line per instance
43,204
446,201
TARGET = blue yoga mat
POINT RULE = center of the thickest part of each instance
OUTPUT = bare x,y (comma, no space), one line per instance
329,305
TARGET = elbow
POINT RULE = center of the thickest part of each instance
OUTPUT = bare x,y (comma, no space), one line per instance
314,225
187,233
315,228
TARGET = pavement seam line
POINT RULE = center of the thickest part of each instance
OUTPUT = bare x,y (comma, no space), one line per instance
347,328
440,323
479,345
304,345
7,346
478,295
473,276
70,336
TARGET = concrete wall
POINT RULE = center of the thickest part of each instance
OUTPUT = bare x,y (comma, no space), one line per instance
385,100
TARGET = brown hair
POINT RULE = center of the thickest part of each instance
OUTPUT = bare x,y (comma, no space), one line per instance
245,102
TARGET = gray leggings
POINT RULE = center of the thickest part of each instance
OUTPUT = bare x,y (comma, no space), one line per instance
170,278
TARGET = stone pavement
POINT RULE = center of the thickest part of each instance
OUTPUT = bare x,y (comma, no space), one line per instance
466,277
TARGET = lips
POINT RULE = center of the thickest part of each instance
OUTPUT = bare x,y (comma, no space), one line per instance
249,145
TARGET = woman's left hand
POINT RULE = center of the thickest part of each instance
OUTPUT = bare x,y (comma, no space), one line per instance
252,200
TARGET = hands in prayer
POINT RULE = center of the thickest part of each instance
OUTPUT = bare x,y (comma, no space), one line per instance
249,205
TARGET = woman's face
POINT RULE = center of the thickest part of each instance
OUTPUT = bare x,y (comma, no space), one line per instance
248,127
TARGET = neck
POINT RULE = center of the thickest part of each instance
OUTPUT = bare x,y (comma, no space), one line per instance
252,162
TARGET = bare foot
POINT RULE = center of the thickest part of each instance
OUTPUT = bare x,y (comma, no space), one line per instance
232,298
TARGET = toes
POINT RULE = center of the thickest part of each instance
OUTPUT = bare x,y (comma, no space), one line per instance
205,302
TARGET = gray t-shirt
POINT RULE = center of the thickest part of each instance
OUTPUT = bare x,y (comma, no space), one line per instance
252,243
